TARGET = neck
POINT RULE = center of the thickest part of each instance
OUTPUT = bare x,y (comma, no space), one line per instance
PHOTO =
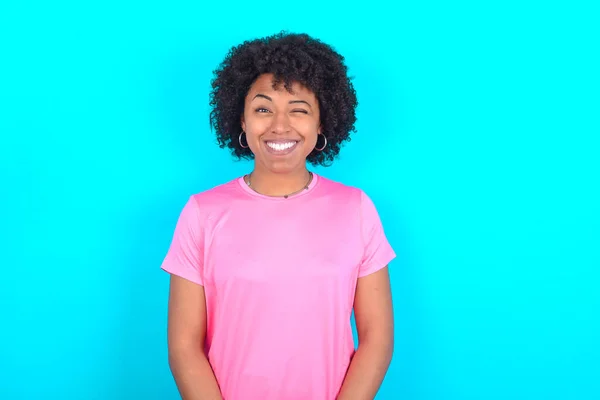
274,184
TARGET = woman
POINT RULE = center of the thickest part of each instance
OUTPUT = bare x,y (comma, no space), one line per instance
267,268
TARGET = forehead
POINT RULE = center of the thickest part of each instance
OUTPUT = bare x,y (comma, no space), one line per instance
264,84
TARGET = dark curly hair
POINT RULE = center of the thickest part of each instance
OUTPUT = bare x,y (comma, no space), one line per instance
290,58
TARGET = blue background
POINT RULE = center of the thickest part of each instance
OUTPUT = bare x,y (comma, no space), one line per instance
478,140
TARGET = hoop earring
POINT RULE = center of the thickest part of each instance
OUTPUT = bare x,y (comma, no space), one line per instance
240,141
324,145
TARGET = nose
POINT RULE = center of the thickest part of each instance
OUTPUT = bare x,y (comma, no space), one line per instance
280,123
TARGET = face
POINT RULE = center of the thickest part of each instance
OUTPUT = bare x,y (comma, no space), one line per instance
281,127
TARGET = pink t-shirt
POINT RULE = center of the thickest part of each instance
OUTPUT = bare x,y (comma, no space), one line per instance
279,277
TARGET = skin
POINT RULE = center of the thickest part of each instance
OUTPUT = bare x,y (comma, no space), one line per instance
375,326
186,333
275,114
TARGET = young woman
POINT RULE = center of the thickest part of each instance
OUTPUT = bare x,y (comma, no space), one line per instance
267,268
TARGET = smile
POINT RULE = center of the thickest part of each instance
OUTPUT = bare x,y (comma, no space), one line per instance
281,147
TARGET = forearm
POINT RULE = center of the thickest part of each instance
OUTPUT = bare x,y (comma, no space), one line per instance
194,375
367,370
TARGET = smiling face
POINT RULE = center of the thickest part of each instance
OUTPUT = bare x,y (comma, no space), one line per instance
281,127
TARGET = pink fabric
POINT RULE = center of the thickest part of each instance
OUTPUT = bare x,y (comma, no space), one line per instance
279,277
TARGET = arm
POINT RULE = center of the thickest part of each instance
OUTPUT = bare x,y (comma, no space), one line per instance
186,333
375,327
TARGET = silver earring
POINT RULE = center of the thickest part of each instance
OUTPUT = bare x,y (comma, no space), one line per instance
240,141
324,145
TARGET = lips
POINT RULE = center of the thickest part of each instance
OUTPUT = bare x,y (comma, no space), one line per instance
281,147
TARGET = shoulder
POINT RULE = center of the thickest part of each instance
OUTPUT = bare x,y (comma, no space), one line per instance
352,198
343,191
336,188
216,198
223,190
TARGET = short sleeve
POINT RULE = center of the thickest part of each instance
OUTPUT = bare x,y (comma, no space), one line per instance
377,250
185,257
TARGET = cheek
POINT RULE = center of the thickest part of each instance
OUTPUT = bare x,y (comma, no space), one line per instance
308,128
310,132
310,141
253,141
253,129
312,138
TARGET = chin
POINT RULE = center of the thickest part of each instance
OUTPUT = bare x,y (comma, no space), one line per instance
283,166
279,168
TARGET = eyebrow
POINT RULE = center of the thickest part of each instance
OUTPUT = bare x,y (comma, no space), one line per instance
264,96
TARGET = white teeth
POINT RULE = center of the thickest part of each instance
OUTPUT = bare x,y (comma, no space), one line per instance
280,146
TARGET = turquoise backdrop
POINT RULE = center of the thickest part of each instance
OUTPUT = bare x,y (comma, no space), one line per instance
478,140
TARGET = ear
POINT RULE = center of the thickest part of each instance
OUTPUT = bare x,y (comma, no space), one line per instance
243,123
319,130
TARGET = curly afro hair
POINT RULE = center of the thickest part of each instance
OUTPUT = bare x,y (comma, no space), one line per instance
290,58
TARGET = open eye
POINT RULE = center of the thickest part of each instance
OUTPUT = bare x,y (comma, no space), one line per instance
261,110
